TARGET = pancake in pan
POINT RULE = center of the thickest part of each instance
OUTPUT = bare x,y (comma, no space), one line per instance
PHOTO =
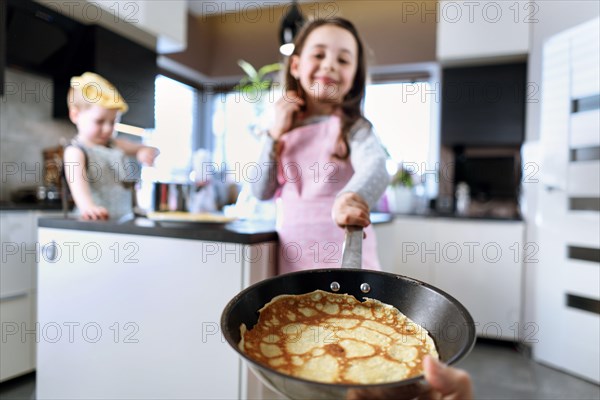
334,338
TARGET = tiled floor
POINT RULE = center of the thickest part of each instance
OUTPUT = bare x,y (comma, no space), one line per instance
505,371
499,371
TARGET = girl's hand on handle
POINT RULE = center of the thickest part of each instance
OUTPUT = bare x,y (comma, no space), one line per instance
94,213
285,108
351,209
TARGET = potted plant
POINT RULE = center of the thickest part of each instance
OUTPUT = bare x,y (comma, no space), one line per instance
400,192
256,82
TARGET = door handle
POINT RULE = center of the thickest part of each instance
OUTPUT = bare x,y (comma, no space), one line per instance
553,188
50,251
13,296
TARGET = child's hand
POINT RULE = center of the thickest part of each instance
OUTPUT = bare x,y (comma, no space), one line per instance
94,213
285,108
146,155
350,209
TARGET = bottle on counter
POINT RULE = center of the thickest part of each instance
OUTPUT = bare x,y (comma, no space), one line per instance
463,198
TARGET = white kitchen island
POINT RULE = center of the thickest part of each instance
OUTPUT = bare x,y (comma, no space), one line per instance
132,311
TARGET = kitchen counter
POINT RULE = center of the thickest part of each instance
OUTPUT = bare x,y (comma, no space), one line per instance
243,231
378,218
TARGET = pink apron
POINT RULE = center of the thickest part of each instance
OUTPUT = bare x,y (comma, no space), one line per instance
311,178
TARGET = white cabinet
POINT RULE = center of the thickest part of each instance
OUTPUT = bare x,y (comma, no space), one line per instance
480,263
164,19
18,283
131,316
18,336
483,29
477,261
157,24
17,233
403,244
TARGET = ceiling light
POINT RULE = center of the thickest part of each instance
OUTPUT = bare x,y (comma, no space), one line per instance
287,49
290,25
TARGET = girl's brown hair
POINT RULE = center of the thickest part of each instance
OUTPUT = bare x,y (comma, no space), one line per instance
351,106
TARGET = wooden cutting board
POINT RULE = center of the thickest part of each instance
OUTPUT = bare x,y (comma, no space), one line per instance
183,216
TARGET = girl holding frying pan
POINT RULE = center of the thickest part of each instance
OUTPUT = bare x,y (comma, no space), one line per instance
327,165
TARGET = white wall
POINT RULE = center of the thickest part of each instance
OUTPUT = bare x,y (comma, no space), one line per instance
481,29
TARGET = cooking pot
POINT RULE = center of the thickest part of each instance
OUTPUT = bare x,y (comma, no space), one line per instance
171,196
448,322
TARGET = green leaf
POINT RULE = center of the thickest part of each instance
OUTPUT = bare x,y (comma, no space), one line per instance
248,69
267,69
255,81
402,178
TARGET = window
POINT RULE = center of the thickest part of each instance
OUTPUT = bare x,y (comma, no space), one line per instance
233,141
236,148
175,105
402,114
175,121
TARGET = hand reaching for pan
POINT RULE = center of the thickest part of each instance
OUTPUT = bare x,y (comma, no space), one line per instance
446,383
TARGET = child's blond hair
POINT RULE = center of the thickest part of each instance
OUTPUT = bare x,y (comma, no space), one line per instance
92,89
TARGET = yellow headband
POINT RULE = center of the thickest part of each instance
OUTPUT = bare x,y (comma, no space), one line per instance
98,91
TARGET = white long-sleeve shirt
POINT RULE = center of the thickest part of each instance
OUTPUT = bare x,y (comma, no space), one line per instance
367,156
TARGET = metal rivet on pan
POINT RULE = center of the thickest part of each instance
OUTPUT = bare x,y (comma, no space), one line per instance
334,286
365,288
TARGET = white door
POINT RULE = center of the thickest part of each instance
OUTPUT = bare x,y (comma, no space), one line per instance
567,277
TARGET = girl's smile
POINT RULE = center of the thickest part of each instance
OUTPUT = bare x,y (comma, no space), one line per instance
326,66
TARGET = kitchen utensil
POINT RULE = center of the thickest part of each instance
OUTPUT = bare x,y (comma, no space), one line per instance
48,194
171,196
448,322
53,163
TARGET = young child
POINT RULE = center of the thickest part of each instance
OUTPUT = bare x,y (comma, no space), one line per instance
327,165
95,165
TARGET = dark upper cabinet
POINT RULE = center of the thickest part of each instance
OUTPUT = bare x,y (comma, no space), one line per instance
130,67
43,41
484,105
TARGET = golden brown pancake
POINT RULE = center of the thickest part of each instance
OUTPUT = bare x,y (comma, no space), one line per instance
335,338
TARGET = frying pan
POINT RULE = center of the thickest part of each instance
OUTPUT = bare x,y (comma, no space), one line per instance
447,321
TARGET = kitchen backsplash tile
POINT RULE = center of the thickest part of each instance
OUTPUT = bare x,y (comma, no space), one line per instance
26,128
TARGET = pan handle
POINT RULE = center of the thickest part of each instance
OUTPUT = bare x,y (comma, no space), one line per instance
352,250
